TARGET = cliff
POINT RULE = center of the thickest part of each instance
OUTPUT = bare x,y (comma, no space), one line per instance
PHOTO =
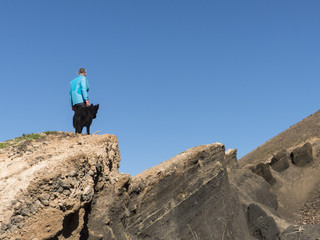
67,186
48,184
186,197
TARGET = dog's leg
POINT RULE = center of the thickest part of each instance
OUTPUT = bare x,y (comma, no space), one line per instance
81,128
78,128
88,129
75,123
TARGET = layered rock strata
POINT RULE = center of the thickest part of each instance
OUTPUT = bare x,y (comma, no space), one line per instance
47,185
67,186
186,197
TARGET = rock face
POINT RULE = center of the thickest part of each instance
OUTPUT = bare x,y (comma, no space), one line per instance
302,155
186,197
280,161
47,185
292,159
261,225
67,186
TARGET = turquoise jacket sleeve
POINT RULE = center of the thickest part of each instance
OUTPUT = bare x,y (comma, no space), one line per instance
84,88
70,96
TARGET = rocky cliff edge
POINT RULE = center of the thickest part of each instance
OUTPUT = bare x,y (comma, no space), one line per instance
47,184
67,186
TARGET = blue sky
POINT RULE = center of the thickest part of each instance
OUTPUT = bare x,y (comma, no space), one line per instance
168,75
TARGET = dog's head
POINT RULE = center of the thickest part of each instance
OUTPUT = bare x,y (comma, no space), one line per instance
93,109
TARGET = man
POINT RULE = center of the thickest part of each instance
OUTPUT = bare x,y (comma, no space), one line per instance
79,89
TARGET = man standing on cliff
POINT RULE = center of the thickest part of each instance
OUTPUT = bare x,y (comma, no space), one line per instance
79,88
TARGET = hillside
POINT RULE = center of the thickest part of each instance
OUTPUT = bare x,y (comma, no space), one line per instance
290,162
67,186
297,134
59,185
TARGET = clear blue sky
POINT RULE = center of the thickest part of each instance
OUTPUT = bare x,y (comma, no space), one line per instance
168,75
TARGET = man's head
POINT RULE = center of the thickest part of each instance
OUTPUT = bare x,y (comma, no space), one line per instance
82,71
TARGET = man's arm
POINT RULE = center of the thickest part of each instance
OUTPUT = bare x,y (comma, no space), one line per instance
84,90
70,96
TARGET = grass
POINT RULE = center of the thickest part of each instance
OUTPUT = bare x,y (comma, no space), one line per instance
31,137
50,132
4,145
25,137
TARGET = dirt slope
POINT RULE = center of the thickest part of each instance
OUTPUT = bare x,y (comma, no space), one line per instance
296,178
306,129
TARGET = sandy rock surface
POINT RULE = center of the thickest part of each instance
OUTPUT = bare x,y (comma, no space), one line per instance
44,182
67,186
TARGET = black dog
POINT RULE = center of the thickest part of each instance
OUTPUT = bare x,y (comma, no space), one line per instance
83,117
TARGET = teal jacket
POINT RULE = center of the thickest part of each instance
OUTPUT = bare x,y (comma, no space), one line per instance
79,88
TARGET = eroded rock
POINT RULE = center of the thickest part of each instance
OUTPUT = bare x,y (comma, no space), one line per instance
302,155
49,199
231,159
280,161
299,232
263,170
186,196
68,187
261,226
252,188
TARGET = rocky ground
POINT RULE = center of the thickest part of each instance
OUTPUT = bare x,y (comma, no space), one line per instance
51,177
58,185
310,212
67,186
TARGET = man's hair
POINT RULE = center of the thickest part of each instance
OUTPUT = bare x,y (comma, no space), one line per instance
81,70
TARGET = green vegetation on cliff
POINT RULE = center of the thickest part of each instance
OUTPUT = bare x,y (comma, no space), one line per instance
25,137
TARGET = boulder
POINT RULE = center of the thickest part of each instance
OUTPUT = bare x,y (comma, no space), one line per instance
263,170
302,155
280,161
261,226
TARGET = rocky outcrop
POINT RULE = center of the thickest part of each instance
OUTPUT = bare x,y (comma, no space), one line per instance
67,186
259,204
47,185
290,163
231,160
186,197
263,170
280,161
307,129
261,225
302,155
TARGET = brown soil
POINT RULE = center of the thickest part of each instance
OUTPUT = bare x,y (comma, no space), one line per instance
310,212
